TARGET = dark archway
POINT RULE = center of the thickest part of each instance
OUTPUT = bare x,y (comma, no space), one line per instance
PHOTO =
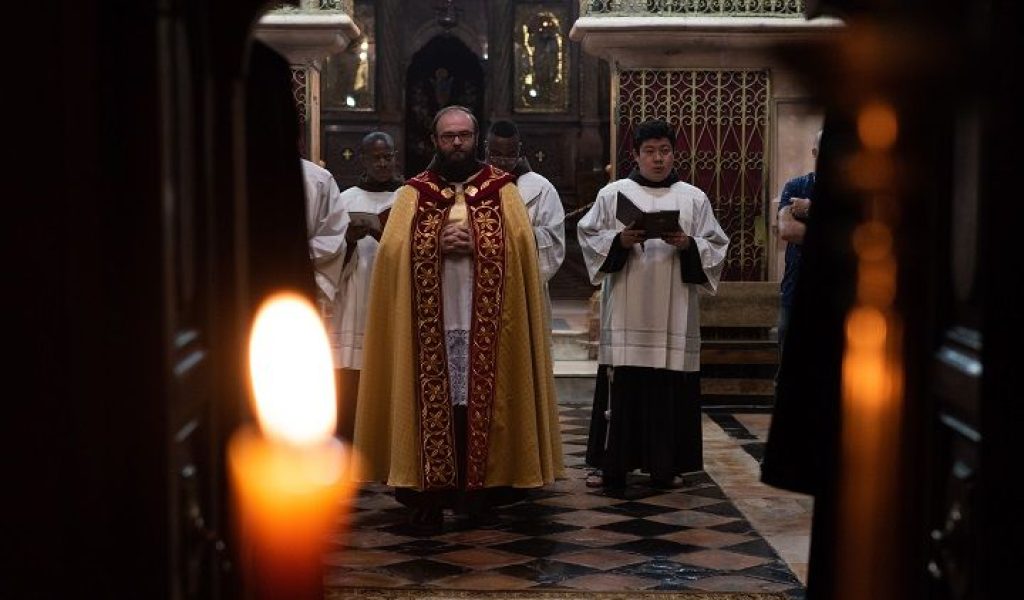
443,72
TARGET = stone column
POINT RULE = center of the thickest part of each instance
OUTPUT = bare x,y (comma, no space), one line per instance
304,38
500,21
391,72
590,146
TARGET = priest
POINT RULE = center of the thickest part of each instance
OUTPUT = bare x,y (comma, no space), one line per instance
646,411
456,398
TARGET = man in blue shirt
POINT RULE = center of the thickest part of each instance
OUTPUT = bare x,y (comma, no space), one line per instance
794,212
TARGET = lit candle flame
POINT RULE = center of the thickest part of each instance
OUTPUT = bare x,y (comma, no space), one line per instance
292,372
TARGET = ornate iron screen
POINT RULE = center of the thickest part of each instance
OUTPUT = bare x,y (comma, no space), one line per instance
721,124
675,8
300,77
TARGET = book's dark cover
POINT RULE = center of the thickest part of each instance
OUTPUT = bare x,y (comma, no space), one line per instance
626,211
372,221
656,223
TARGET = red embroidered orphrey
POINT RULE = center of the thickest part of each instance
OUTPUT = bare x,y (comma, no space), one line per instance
437,439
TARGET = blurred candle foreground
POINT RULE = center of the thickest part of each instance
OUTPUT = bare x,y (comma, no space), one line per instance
872,388
291,476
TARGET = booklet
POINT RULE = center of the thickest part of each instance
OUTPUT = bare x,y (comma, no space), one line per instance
656,223
371,221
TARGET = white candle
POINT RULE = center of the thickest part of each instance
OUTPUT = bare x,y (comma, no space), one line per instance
291,476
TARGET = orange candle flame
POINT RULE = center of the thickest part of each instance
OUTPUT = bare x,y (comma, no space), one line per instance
292,372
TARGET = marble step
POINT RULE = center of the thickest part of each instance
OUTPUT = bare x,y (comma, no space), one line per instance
733,373
758,357
572,345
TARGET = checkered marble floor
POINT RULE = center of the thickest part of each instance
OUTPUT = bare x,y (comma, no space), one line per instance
568,536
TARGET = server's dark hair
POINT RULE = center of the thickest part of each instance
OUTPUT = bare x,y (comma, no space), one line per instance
653,130
504,129
377,136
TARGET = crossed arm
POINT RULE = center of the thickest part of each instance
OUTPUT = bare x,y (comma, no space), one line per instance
792,224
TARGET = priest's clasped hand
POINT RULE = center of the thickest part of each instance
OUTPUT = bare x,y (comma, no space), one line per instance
456,239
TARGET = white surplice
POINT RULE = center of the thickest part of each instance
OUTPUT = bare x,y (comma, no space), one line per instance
649,317
326,224
548,220
350,305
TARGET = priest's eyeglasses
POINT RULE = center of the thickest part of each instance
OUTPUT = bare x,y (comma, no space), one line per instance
449,138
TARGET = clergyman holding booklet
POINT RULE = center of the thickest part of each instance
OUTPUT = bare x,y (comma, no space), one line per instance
651,242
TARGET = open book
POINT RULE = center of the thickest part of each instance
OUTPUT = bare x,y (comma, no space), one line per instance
371,221
656,223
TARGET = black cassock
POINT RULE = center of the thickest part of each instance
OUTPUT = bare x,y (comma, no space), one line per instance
655,423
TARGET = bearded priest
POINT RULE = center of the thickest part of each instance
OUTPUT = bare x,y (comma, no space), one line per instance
456,403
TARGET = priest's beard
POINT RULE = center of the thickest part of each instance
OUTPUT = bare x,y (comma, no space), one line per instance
456,166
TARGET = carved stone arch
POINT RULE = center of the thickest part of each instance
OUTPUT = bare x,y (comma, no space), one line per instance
431,29
442,72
